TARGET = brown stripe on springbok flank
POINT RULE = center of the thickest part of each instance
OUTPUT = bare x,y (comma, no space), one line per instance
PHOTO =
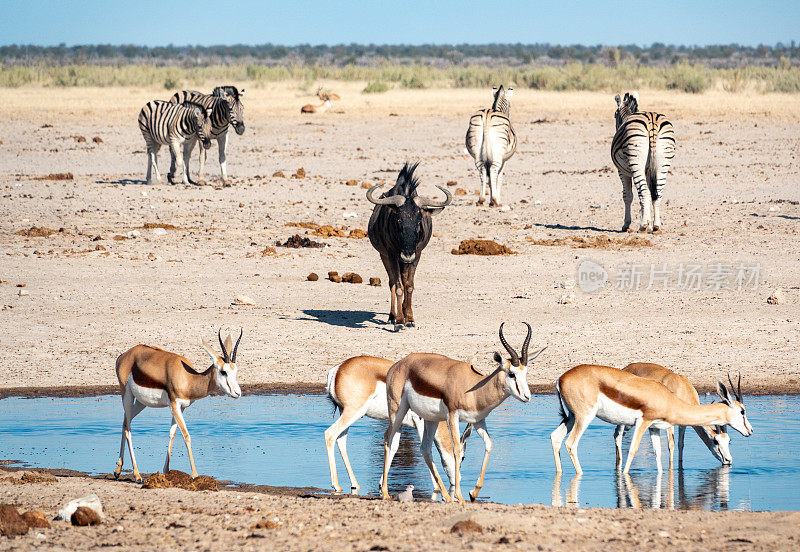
423,387
619,397
144,380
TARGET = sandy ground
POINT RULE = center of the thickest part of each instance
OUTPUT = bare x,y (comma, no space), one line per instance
173,519
732,198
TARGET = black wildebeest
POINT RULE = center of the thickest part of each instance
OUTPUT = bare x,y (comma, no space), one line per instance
400,227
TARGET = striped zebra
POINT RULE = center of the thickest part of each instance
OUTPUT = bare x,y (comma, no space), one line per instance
227,109
642,150
164,123
491,141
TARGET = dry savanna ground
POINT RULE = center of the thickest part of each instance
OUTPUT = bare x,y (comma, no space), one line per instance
163,265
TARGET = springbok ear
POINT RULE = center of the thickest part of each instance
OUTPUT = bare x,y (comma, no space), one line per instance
509,93
618,100
210,352
723,393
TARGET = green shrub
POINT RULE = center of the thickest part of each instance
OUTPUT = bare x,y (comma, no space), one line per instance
375,87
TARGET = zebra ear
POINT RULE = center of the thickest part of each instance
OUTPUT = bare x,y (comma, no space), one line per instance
208,112
241,92
618,100
635,96
494,91
509,93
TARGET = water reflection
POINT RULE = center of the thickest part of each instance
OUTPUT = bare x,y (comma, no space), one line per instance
657,490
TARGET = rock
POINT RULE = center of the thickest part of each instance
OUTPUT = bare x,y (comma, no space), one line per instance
466,526
407,495
461,192
481,247
23,292
244,300
357,234
452,183
159,232
84,516
566,298
35,518
11,523
366,185
278,174
91,501
265,524
352,278
299,173
133,234
777,298
97,140
375,282
351,182
80,139
333,276
38,477
313,277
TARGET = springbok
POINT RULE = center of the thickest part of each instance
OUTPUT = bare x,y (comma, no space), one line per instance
325,95
437,388
620,398
715,438
149,376
321,108
358,388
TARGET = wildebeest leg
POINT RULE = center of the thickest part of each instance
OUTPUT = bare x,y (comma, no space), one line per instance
393,271
407,274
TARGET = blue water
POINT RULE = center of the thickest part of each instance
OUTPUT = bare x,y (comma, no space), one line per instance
277,440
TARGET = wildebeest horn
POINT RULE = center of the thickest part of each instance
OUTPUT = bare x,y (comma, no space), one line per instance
233,356
738,386
524,350
426,202
225,356
396,200
512,352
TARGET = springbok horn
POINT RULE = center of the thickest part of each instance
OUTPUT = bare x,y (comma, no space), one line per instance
396,200
512,352
225,356
426,202
732,387
525,344
233,356
738,387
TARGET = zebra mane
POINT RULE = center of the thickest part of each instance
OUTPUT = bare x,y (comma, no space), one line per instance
501,103
195,105
222,91
407,181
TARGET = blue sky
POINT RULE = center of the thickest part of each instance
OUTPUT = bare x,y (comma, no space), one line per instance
157,23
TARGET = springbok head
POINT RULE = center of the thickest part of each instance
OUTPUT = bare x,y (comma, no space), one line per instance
225,366
722,445
626,105
736,412
516,367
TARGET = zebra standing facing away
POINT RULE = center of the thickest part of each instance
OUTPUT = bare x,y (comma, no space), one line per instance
642,150
163,123
227,109
491,141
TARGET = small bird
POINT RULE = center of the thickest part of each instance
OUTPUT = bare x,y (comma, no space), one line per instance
406,496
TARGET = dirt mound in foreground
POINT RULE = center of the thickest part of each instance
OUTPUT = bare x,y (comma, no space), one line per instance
594,242
36,232
481,247
181,480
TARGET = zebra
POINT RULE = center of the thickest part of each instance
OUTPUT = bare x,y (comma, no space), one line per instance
491,141
165,123
226,103
642,150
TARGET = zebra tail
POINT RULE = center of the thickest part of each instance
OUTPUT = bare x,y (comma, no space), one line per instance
561,411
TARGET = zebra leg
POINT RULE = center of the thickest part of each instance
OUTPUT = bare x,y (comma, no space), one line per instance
494,184
640,181
152,164
177,159
657,193
627,197
482,172
222,143
188,147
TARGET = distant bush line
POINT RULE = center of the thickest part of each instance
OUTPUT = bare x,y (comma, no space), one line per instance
572,76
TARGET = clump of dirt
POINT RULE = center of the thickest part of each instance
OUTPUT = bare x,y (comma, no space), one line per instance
605,169
56,176
298,241
83,517
119,237
306,225
333,276
268,251
164,225
328,231
351,182
452,183
36,232
80,139
38,477
278,174
352,278
366,185
35,518
461,192
265,524
375,282
357,234
97,140
467,526
11,523
313,277
181,480
481,247
299,173
594,242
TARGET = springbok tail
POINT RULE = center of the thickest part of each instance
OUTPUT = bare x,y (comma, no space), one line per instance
561,411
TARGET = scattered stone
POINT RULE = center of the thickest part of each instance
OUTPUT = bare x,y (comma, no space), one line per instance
461,192
36,232
298,241
56,176
313,277
159,232
11,523
84,516
38,477
466,526
333,276
306,225
351,182
97,140
299,173
80,139
407,495
35,518
278,174
244,300
23,292
119,237
352,278
357,233
452,183
566,298
265,524
375,282
133,234
91,502
182,480
481,247
777,298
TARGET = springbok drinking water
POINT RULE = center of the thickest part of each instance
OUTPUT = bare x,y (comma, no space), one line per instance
149,376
